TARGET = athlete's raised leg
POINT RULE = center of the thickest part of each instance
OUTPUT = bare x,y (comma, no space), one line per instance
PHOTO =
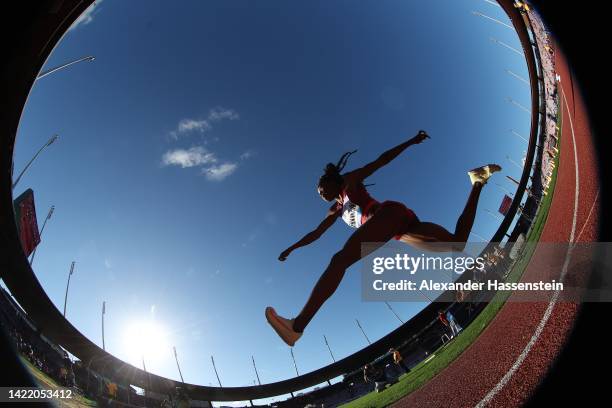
432,237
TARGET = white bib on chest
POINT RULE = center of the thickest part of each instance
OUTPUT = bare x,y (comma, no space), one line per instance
351,212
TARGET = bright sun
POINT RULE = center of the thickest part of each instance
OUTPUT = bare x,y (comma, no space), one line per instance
146,339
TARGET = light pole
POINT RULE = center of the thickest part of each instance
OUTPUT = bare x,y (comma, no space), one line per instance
255,367
67,286
49,143
52,70
104,312
329,348
515,103
177,364
518,135
215,368
476,13
513,180
144,368
362,331
41,231
503,44
294,364
393,311
515,163
493,3
517,76
505,189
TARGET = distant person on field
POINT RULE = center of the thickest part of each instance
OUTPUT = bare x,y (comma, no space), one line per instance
371,373
398,359
454,326
442,318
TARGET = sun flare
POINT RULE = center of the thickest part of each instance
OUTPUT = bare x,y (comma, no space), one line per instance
146,339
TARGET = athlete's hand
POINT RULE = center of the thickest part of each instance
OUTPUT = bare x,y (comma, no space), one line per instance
283,256
420,137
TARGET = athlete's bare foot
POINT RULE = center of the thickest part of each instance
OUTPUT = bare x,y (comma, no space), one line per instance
282,326
482,174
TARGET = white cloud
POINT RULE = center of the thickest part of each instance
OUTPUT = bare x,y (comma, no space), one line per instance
199,156
247,155
87,16
219,113
188,125
202,125
220,172
195,156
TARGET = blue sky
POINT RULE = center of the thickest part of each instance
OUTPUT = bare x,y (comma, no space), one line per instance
189,151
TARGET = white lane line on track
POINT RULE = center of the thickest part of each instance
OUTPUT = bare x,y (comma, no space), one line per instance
588,217
521,358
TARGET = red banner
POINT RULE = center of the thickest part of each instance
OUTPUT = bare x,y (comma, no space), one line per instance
505,204
25,217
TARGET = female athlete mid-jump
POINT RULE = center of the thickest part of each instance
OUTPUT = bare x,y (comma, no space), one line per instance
376,222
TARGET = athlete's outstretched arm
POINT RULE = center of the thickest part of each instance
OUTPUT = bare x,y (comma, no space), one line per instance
312,236
385,158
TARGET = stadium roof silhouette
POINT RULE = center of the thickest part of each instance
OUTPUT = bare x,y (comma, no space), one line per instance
39,26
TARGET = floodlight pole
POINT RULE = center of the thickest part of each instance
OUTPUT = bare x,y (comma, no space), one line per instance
49,214
329,348
52,70
504,189
517,76
476,13
364,334
493,3
103,313
67,286
515,103
393,311
177,364
515,163
255,367
503,44
215,368
294,364
144,367
518,135
48,143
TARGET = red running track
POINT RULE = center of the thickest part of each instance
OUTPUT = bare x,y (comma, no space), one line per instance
505,364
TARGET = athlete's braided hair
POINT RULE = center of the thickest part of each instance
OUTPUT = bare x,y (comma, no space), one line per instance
332,171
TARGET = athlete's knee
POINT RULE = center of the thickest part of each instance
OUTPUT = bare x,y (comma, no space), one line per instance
341,259
459,245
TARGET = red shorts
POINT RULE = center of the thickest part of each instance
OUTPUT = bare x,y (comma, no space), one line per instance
409,218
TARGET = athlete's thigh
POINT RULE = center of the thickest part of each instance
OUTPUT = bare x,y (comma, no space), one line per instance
418,243
429,232
428,236
377,231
